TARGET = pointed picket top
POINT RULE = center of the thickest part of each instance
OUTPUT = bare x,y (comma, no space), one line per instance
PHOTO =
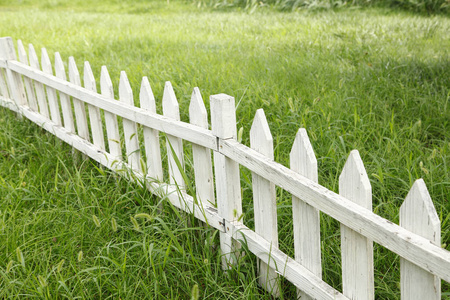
74,75
197,110
302,157
354,183
418,214
45,62
106,85
146,97
60,71
169,102
88,78
125,91
23,58
260,137
34,61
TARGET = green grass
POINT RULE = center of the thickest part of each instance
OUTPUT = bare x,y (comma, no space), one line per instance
368,79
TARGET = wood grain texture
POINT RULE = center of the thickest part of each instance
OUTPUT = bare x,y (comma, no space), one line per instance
418,215
94,112
264,201
356,249
306,218
174,144
203,171
129,127
39,87
66,105
51,92
151,136
31,94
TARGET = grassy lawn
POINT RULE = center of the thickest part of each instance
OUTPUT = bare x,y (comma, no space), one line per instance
374,79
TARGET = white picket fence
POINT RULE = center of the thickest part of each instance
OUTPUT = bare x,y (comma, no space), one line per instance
59,106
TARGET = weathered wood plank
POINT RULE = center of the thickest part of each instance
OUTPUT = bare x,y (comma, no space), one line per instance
94,112
306,218
151,136
228,186
174,144
204,180
66,105
78,105
356,249
264,201
13,79
191,133
51,93
418,215
395,238
112,125
129,127
23,58
39,87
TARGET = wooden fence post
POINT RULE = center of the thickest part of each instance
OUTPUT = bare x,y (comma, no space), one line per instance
94,112
14,80
418,215
23,58
356,249
204,181
66,105
112,125
151,136
174,144
306,218
228,186
129,127
40,91
264,200
51,92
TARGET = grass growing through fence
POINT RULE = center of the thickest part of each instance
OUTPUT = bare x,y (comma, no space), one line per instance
367,79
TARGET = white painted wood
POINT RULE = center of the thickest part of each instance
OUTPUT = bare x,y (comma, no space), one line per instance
418,215
204,180
3,86
14,80
306,218
51,93
191,133
129,127
78,105
228,186
184,201
391,236
174,144
94,112
66,106
39,87
356,249
151,136
264,201
112,125
23,58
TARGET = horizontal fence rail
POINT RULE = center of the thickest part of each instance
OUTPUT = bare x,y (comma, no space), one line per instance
88,121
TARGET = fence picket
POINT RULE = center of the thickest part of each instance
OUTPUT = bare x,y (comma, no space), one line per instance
40,91
418,215
228,186
94,112
264,200
151,136
357,250
3,86
23,58
13,79
78,105
204,180
112,125
174,144
66,106
306,218
51,92
129,127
